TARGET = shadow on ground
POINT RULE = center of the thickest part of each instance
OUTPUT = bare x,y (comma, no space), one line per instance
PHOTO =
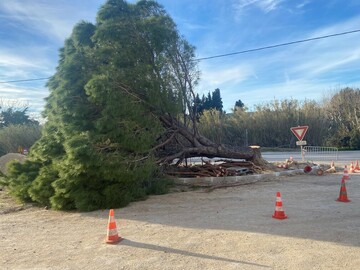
135,244
309,201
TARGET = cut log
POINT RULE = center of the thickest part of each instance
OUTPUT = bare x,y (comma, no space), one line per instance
181,142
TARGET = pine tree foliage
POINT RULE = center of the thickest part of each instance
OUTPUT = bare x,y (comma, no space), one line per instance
120,110
113,81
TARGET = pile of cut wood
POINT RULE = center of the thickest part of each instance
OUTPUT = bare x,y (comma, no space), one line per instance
216,169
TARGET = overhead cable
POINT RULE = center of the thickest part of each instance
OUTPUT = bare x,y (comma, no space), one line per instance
234,53
277,45
26,80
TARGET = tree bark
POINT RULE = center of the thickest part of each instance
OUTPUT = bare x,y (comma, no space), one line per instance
181,142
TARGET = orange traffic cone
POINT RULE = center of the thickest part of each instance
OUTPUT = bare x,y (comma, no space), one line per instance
112,236
357,168
279,212
343,194
352,168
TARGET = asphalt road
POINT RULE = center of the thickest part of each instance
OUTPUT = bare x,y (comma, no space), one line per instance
345,157
339,157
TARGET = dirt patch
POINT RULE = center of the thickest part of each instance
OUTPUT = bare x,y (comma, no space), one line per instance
6,201
228,228
8,204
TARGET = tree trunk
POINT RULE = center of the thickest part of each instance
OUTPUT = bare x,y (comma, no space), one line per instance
180,142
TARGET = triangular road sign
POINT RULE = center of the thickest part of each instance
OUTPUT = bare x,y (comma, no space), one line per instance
299,131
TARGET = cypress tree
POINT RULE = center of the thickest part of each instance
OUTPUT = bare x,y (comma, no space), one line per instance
216,100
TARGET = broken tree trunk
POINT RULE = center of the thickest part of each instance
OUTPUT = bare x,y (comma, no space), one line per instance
180,142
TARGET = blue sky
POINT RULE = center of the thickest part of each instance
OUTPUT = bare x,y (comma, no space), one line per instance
32,31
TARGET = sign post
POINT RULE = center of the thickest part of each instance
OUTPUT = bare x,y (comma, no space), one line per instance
300,132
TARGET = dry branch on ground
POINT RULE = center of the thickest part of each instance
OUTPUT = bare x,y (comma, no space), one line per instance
218,169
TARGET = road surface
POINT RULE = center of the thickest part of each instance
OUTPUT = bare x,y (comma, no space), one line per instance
343,157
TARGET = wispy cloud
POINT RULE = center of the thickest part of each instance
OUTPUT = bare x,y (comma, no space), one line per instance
14,60
31,32
329,54
54,19
224,77
37,16
302,4
264,5
31,96
25,63
300,71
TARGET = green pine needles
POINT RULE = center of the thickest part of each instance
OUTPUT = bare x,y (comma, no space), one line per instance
113,81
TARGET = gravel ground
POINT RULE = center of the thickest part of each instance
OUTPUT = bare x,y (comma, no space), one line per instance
229,228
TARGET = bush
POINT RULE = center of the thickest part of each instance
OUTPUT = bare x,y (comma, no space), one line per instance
25,175
70,184
355,140
13,136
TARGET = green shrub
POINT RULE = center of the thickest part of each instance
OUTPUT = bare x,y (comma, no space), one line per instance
41,189
25,175
13,136
72,183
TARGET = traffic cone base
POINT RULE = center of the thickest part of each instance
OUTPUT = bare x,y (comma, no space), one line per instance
112,236
343,200
343,194
279,212
279,215
113,241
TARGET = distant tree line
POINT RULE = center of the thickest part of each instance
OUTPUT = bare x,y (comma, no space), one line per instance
333,122
211,101
17,129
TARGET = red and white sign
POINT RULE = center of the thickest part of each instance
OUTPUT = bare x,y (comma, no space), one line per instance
299,131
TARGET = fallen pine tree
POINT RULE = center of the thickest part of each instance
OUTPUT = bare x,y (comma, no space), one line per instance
121,109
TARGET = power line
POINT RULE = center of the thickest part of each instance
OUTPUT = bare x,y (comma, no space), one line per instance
235,53
26,80
278,45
